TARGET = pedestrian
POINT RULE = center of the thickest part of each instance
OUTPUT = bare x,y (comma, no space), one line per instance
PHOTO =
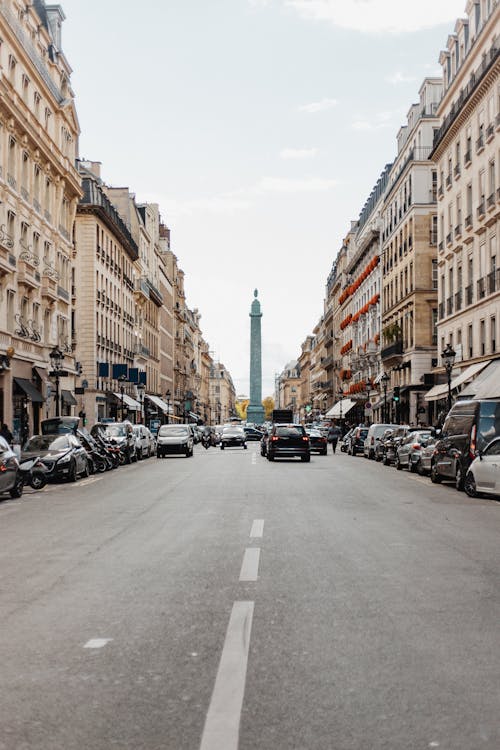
333,436
6,433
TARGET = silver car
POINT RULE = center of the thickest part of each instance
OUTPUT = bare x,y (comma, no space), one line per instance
174,439
483,474
409,451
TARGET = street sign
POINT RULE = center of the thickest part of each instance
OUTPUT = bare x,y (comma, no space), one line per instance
308,408
368,406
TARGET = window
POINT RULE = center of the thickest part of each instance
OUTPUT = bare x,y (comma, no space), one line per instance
493,334
36,102
470,341
25,86
434,273
10,309
482,340
12,69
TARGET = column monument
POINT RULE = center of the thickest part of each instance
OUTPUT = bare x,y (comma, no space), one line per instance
255,410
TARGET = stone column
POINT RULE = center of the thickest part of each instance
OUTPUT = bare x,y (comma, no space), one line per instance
255,411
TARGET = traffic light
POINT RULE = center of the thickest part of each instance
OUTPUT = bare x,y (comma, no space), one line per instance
395,396
83,417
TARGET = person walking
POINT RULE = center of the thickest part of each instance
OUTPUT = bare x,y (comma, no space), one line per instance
333,436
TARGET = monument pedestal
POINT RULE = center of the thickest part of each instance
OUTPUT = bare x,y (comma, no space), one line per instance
255,414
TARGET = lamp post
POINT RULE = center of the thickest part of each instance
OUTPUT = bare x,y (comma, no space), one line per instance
167,396
448,357
341,395
368,388
384,379
56,360
121,380
140,389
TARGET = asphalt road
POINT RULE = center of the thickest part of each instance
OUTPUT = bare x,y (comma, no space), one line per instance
224,602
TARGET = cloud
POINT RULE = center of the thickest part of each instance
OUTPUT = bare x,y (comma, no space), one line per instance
287,185
379,16
399,77
320,106
379,121
298,153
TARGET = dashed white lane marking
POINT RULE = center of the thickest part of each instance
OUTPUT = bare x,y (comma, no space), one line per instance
254,459
97,642
250,565
222,724
257,529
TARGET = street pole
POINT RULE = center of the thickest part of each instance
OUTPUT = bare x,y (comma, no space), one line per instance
448,356
167,395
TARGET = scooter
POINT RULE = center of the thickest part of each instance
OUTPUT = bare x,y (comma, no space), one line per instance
33,472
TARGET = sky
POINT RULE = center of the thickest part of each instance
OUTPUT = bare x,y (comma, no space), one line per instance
260,128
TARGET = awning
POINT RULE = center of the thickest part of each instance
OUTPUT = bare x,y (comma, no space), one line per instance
343,406
42,374
194,416
486,385
160,403
30,390
68,398
469,373
437,392
129,402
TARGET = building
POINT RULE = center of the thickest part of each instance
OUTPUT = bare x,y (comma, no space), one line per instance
466,155
409,263
39,192
222,394
287,395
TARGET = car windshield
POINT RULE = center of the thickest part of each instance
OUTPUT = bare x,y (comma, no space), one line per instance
172,430
47,442
115,430
232,431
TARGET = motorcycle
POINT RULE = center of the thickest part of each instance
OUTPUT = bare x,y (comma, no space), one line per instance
33,472
206,441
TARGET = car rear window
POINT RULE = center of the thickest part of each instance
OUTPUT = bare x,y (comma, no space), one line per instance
172,431
489,423
290,431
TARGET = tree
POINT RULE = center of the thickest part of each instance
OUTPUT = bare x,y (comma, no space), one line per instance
241,408
268,404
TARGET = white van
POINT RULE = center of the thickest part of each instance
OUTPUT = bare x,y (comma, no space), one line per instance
375,432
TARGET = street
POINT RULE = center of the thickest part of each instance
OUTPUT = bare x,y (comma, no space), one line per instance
224,602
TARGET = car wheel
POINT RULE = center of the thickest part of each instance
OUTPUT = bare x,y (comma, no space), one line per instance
221,447
73,474
86,470
470,485
269,457
385,461
459,478
17,489
38,481
305,459
435,476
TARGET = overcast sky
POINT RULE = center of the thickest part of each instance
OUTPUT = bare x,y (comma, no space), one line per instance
260,127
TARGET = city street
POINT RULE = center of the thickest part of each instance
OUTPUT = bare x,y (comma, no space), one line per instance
223,601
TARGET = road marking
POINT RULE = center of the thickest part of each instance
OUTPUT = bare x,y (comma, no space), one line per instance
254,458
257,529
250,565
97,642
222,724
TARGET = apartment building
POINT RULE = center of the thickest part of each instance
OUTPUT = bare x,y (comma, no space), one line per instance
466,155
39,191
222,394
166,317
409,263
287,388
304,387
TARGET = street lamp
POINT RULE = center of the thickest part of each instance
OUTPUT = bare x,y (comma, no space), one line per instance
140,389
121,380
56,360
368,388
448,357
167,396
341,394
384,379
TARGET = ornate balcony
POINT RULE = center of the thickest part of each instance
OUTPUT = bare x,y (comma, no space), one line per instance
392,350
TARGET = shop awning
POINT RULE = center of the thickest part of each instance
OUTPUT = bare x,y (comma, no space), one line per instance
344,405
129,402
30,390
487,383
42,374
194,416
160,403
469,373
437,392
68,398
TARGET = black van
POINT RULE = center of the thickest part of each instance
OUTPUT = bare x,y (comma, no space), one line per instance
468,428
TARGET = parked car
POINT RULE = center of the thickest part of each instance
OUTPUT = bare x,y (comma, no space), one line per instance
63,455
393,442
344,443
233,436
318,442
357,440
374,433
288,441
174,439
410,449
469,427
252,433
380,445
11,480
483,474
427,457
120,433
144,441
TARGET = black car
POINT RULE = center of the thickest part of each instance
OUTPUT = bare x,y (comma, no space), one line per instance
233,437
468,428
318,442
252,433
357,440
64,456
288,440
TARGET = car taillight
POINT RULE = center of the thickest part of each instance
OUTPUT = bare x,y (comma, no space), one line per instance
274,437
3,466
304,437
472,449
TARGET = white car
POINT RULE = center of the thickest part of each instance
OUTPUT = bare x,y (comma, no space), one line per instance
483,474
144,441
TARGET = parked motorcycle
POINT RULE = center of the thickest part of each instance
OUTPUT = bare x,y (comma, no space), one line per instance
33,472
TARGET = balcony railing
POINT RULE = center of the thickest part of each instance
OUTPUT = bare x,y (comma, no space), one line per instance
392,350
490,201
458,301
448,181
493,281
449,306
469,294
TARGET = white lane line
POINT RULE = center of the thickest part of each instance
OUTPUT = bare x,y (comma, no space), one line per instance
250,565
97,642
222,725
257,529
